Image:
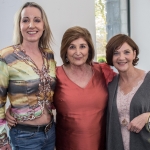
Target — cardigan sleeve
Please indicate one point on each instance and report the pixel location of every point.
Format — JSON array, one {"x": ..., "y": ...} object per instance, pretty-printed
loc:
[{"x": 4, "y": 79}]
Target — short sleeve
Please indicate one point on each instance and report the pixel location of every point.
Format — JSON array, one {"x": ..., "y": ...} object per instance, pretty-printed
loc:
[{"x": 108, "y": 73}]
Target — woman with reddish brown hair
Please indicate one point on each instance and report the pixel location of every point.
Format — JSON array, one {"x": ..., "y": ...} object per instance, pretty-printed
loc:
[
  {"x": 128, "y": 120},
  {"x": 81, "y": 94}
]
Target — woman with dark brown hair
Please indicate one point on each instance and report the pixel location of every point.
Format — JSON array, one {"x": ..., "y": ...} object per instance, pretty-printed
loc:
[{"x": 128, "y": 121}]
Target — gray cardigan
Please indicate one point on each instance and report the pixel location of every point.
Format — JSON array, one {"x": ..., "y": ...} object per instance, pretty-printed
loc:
[{"x": 140, "y": 104}]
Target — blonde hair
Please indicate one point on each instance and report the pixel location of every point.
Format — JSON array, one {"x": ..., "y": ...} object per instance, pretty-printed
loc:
[{"x": 46, "y": 38}]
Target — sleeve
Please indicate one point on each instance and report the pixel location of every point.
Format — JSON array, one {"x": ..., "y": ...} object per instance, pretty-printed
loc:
[
  {"x": 108, "y": 73},
  {"x": 4, "y": 79}
]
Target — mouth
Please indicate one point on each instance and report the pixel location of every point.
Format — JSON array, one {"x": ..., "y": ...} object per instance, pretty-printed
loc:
[
  {"x": 32, "y": 32},
  {"x": 122, "y": 63},
  {"x": 78, "y": 58}
]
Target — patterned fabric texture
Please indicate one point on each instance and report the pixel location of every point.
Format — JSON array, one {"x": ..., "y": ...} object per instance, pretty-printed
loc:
[{"x": 27, "y": 91}]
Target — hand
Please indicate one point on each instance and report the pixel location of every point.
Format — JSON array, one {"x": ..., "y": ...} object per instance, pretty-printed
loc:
[
  {"x": 5, "y": 147},
  {"x": 11, "y": 121},
  {"x": 137, "y": 124}
]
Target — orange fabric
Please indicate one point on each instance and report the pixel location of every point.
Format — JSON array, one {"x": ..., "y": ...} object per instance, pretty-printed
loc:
[
  {"x": 80, "y": 119},
  {"x": 108, "y": 72}
]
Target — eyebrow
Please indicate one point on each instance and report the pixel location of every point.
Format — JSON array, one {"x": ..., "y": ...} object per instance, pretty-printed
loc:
[
  {"x": 80, "y": 44},
  {"x": 34, "y": 17},
  {"x": 124, "y": 50}
]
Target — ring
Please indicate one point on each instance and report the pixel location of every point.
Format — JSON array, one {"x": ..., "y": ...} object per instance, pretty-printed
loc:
[{"x": 135, "y": 130}]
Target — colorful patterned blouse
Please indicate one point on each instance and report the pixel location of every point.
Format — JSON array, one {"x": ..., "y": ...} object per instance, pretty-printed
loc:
[{"x": 27, "y": 88}]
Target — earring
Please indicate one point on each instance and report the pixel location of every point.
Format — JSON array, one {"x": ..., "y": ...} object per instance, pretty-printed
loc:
[{"x": 67, "y": 59}]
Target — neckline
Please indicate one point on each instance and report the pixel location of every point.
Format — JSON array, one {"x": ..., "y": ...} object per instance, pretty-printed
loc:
[
  {"x": 26, "y": 58},
  {"x": 133, "y": 88},
  {"x": 77, "y": 84}
]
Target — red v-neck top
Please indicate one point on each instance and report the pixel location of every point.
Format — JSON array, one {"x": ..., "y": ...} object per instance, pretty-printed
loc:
[{"x": 80, "y": 119}]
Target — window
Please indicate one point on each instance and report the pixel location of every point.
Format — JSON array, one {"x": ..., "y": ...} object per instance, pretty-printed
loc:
[{"x": 111, "y": 18}]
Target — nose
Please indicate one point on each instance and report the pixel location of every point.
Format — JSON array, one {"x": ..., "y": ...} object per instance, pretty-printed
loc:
[
  {"x": 78, "y": 51},
  {"x": 31, "y": 24},
  {"x": 121, "y": 56}
]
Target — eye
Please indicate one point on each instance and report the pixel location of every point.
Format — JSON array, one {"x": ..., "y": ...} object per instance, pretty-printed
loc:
[
  {"x": 25, "y": 20},
  {"x": 82, "y": 46},
  {"x": 127, "y": 52},
  {"x": 37, "y": 20},
  {"x": 115, "y": 53},
  {"x": 71, "y": 47}
]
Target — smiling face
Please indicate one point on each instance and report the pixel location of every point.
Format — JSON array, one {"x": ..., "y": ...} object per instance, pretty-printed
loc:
[
  {"x": 123, "y": 58},
  {"x": 78, "y": 52},
  {"x": 31, "y": 24}
]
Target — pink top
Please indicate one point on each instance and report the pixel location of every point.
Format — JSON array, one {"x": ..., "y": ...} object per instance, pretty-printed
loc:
[{"x": 123, "y": 105}]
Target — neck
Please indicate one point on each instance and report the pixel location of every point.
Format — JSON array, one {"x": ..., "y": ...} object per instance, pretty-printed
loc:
[
  {"x": 130, "y": 75},
  {"x": 30, "y": 47},
  {"x": 78, "y": 69}
]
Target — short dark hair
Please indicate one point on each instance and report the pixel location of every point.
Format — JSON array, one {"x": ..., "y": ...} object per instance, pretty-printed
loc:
[
  {"x": 72, "y": 34},
  {"x": 116, "y": 42}
]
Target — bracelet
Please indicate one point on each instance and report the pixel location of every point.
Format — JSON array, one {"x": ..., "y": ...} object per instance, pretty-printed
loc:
[
  {"x": 4, "y": 141},
  {"x": 148, "y": 120},
  {"x": 148, "y": 124}
]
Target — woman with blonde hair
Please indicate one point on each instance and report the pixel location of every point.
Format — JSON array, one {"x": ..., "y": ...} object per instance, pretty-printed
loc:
[{"x": 28, "y": 80}]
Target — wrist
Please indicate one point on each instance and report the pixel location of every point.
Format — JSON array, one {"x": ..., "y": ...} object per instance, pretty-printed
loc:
[
  {"x": 4, "y": 141},
  {"x": 148, "y": 118}
]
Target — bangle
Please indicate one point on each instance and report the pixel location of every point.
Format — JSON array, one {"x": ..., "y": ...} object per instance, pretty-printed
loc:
[
  {"x": 148, "y": 120},
  {"x": 4, "y": 141},
  {"x": 148, "y": 123}
]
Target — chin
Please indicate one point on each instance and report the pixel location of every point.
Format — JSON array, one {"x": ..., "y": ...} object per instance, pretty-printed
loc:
[
  {"x": 33, "y": 40},
  {"x": 122, "y": 70},
  {"x": 79, "y": 64}
]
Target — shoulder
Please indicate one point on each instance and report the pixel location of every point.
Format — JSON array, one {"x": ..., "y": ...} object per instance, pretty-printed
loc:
[
  {"x": 60, "y": 73},
  {"x": 59, "y": 68},
  {"x": 112, "y": 86},
  {"x": 48, "y": 53},
  {"x": 148, "y": 74},
  {"x": 114, "y": 81},
  {"x": 147, "y": 79},
  {"x": 47, "y": 50},
  {"x": 6, "y": 51},
  {"x": 108, "y": 73}
]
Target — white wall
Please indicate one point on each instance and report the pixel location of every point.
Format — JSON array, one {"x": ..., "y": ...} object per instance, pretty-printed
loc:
[
  {"x": 62, "y": 14},
  {"x": 140, "y": 30}
]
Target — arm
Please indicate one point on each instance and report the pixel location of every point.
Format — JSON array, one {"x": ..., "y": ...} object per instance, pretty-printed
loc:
[
  {"x": 11, "y": 121},
  {"x": 137, "y": 124},
  {"x": 4, "y": 79}
]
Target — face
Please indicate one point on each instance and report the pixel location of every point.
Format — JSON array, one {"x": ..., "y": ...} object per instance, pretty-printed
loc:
[
  {"x": 123, "y": 58},
  {"x": 77, "y": 52},
  {"x": 31, "y": 24}
]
